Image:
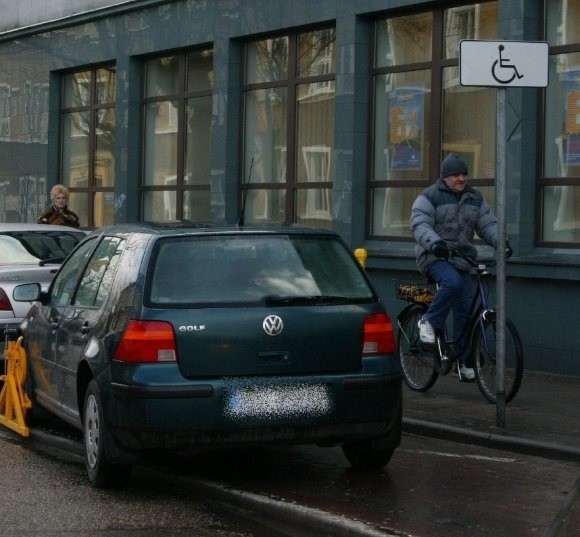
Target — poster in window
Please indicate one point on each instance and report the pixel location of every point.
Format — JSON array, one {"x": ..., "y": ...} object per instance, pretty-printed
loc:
[
  {"x": 406, "y": 128},
  {"x": 571, "y": 104}
]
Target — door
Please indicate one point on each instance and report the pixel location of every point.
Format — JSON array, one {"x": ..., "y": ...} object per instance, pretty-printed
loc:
[
  {"x": 43, "y": 332},
  {"x": 78, "y": 333}
]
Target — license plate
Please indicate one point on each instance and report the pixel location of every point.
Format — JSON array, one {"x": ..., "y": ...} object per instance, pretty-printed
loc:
[{"x": 274, "y": 402}]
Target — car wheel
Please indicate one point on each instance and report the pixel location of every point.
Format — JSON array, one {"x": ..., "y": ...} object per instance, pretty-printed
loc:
[
  {"x": 362, "y": 455},
  {"x": 102, "y": 473}
]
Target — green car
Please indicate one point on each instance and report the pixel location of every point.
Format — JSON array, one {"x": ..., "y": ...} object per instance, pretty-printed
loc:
[{"x": 171, "y": 337}]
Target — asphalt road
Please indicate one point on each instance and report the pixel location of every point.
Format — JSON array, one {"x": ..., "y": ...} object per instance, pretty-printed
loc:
[
  {"x": 431, "y": 488},
  {"x": 46, "y": 494}
]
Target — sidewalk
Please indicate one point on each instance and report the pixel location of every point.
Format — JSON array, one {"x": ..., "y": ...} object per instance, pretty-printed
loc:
[{"x": 543, "y": 419}]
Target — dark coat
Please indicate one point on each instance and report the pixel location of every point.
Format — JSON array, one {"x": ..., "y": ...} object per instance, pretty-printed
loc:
[
  {"x": 54, "y": 216},
  {"x": 439, "y": 214}
]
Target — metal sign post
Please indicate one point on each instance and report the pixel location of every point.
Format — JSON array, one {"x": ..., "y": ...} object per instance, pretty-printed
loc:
[
  {"x": 502, "y": 64},
  {"x": 500, "y": 199}
]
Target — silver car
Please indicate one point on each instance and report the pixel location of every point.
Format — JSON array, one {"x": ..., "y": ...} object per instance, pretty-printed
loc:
[{"x": 29, "y": 253}]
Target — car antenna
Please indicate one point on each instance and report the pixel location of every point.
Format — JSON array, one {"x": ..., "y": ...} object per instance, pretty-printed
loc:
[{"x": 240, "y": 222}]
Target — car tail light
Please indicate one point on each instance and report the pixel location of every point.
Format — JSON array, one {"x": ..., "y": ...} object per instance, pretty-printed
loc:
[
  {"x": 379, "y": 337},
  {"x": 4, "y": 302},
  {"x": 147, "y": 341}
]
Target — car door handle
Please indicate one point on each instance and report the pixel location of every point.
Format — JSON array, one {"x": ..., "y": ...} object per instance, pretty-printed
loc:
[
  {"x": 85, "y": 328},
  {"x": 54, "y": 324}
]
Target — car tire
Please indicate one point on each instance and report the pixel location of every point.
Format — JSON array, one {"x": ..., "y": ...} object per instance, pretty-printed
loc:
[
  {"x": 362, "y": 455},
  {"x": 101, "y": 472}
]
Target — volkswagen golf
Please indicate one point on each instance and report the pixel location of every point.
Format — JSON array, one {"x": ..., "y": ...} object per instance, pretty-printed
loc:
[{"x": 157, "y": 338}]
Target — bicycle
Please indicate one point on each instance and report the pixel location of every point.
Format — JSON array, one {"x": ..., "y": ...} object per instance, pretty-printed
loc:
[{"x": 422, "y": 363}]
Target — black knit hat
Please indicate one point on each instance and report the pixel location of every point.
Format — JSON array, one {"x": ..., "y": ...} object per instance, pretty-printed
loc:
[{"x": 453, "y": 164}]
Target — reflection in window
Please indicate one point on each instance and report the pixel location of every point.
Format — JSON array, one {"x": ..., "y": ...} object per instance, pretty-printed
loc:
[
  {"x": 97, "y": 279},
  {"x": 560, "y": 181},
  {"x": 177, "y": 137},
  {"x": 421, "y": 113},
  {"x": 288, "y": 173},
  {"x": 88, "y": 126},
  {"x": 65, "y": 281}
]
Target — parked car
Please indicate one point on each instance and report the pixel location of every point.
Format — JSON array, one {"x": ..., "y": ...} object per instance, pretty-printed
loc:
[
  {"x": 29, "y": 253},
  {"x": 172, "y": 338}
]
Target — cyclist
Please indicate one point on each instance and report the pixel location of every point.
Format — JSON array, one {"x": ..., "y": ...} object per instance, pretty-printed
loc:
[{"x": 445, "y": 217}]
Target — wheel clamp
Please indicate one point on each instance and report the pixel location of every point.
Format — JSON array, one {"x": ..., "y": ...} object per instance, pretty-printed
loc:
[{"x": 13, "y": 399}]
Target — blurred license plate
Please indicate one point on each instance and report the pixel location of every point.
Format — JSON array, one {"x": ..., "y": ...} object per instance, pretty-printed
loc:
[{"x": 278, "y": 401}]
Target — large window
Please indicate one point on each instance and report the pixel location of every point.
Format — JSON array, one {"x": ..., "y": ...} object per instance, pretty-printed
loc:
[
  {"x": 88, "y": 143},
  {"x": 421, "y": 113},
  {"x": 289, "y": 129},
  {"x": 177, "y": 137},
  {"x": 560, "y": 182}
]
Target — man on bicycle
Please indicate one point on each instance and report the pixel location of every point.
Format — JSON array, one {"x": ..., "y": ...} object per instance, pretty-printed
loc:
[{"x": 445, "y": 217}]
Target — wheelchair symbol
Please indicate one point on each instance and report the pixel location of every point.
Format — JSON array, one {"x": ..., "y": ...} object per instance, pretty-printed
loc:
[{"x": 503, "y": 71}]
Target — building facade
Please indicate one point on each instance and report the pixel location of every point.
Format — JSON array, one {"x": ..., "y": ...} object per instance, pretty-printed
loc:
[{"x": 331, "y": 114}]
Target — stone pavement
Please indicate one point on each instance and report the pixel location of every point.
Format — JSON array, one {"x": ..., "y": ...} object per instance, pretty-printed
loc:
[{"x": 543, "y": 419}]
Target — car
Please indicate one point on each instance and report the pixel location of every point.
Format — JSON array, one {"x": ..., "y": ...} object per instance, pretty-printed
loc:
[
  {"x": 170, "y": 337},
  {"x": 30, "y": 253}
]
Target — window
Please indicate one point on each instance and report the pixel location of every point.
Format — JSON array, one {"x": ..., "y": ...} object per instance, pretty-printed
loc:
[
  {"x": 289, "y": 99},
  {"x": 421, "y": 113},
  {"x": 177, "y": 137},
  {"x": 560, "y": 181},
  {"x": 95, "y": 285},
  {"x": 88, "y": 144},
  {"x": 65, "y": 281}
]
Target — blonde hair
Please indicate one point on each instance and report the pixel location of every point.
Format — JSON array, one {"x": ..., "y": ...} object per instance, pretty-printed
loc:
[{"x": 58, "y": 189}]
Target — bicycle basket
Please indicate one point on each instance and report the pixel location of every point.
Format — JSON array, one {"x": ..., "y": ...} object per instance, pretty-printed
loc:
[{"x": 415, "y": 291}]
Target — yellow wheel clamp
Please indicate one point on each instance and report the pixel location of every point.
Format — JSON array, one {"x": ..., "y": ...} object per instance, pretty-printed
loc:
[{"x": 13, "y": 399}]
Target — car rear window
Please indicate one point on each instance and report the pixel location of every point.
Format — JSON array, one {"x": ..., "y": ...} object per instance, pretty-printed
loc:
[
  {"x": 31, "y": 247},
  {"x": 234, "y": 269}
]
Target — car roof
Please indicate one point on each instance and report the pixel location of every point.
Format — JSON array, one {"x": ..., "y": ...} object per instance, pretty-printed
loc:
[
  {"x": 188, "y": 228},
  {"x": 5, "y": 227}
]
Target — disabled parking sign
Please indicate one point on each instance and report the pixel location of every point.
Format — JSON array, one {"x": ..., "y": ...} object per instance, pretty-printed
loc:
[{"x": 521, "y": 64}]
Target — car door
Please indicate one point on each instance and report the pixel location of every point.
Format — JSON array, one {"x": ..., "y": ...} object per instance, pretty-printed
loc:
[
  {"x": 78, "y": 330},
  {"x": 44, "y": 323}
]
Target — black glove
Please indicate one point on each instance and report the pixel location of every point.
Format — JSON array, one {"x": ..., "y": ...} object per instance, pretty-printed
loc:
[
  {"x": 441, "y": 250},
  {"x": 508, "y": 250}
]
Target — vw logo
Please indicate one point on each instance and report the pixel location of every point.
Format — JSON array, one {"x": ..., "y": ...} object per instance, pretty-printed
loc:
[{"x": 273, "y": 325}]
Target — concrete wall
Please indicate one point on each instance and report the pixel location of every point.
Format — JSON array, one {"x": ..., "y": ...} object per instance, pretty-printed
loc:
[{"x": 23, "y": 13}]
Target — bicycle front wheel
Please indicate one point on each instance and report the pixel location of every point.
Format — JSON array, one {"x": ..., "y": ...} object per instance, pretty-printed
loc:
[
  {"x": 416, "y": 359},
  {"x": 484, "y": 359}
]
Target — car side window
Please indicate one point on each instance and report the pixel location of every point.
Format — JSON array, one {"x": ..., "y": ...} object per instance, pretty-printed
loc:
[
  {"x": 98, "y": 276},
  {"x": 64, "y": 282}
]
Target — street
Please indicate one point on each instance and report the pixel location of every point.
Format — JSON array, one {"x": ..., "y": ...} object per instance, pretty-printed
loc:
[
  {"x": 431, "y": 488},
  {"x": 47, "y": 494}
]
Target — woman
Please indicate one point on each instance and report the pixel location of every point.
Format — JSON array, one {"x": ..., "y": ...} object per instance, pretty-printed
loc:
[{"x": 58, "y": 213}]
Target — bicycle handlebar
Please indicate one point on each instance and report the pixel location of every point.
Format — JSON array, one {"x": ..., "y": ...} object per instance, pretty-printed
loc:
[{"x": 488, "y": 262}]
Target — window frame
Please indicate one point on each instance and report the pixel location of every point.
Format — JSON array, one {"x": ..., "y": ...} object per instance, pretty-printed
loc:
[
  {"x": 181, "y": 189},
  {"x": 545, "y": 180},
  {"x": 92, "y": 109},
  {"x": 290, "y": 186},
  {"x": 437, "y": 65}
]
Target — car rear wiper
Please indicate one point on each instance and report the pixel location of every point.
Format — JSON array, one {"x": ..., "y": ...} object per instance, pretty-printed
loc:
[{"x": 278, "y": 300}]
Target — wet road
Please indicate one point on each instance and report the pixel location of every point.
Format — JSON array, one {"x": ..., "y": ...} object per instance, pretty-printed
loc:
[
  {"x": 43, "y": 495},
  {"x": 431, "y": 488}
]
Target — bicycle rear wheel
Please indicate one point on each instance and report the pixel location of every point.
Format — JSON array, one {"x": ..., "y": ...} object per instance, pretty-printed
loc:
[
  {"x": 484, "y": 359},
  {"x": 416, "y": 358}
]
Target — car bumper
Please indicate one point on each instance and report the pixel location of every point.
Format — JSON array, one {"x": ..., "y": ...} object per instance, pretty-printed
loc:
[{"x": 324, "y": 410}]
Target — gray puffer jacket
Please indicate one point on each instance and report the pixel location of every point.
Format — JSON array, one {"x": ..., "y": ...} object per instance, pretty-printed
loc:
[{"x": 439, "y": 214}]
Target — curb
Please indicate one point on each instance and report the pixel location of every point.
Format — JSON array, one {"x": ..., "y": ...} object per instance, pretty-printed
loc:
[
  {"x": 289, "y": 518},
  {"x": 515, "y": 444}
]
